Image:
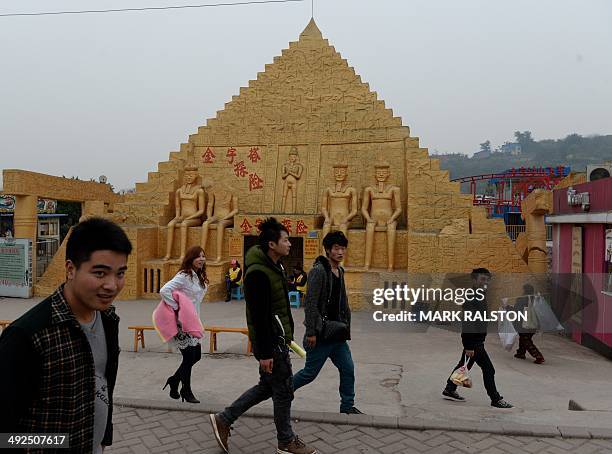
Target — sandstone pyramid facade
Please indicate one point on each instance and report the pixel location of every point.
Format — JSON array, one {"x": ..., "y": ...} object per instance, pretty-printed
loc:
[{"x": 310, "y": 98}]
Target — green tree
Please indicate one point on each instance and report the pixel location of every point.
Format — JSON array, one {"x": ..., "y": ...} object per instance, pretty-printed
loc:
[{"x": 486, "y": 146}]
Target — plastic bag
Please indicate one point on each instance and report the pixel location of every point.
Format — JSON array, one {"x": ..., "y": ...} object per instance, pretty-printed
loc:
[
  {"x": 532, "y": 317},
  {"x": 461, "y": 377},
  {"x": 507, "y": 333},
  {"x": 547, "y": 320}
]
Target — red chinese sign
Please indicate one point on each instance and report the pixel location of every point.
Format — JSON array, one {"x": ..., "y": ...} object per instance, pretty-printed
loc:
[
  {"x": 287, "y": 224},
  {"x": 208, "y": 156},
  {"x": 246, "y": 226},
  {"x": 254, "y": 154},
  {"x": 301, "y": 228},
  {"x": 295, "y": 225},
  {"x": 255, "y": 182},
  {"x": 240, "y": 169},
  {"x": 230, "y": 155}
]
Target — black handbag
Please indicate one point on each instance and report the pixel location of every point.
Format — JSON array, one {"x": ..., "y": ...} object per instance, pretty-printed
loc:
[{"x": 333, "y": 330}]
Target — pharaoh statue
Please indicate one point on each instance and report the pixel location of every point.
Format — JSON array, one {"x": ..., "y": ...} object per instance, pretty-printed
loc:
[
  {"x": 381, "y": 207},
  {"x": 339, "y": 204},
  {"x": 220, "y": 212},
  {"x": 292, "y": 172},
  {"x": 189, "y": 209},
  {"x": 533, "y": 209}
]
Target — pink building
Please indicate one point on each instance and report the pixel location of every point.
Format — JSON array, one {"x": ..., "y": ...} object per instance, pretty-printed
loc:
[{"x": 582, "y": 244}]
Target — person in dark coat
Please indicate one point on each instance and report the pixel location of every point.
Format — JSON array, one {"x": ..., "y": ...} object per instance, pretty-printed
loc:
[{"x": 59, "y": 360}]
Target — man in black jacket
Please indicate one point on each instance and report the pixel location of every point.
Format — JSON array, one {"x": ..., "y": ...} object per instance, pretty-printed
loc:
[
  {"x": 271, "y": 331},
  {"x": 59, "y": 360},
  {"x": 326, "y": 301},
  {"x": 473, "y": 335}
]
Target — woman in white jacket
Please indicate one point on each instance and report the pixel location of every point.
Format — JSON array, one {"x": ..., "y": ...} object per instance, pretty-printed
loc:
[{"x": 191, "y": 280}]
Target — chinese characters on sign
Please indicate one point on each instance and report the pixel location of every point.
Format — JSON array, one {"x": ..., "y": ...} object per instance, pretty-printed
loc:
[
  {"x": 246, "y": 226},
  {"x": 287, "y": 224},
  {"x": 254, "y": 154},
  {"x": 230, "y": 155},
  {"x": 235, "y": 246},
  {"x": 208, "y": 157},
  {"x": 16, "y": 267},
  {"x": 311, "y": 248},
  {"x": 255, "y": 182},
  {"x": 239, "y": 168},
  {"x": 301, "y": 228},
  {"x": 296, "y": 225}
]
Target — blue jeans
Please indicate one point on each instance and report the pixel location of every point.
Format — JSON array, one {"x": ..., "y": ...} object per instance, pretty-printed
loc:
[{"x": 340, "y": 355}]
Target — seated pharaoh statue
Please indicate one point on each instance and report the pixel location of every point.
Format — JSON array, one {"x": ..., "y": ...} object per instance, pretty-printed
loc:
[
  {"x": 339, "y": 204},
  {"x": 189, "y": 209},
  {"x": 220, "y": 212},
  {"x": 381, "y": 208}
]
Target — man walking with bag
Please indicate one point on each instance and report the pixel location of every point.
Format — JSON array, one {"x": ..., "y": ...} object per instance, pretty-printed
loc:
[
  {"x": 328, "y": 322},
  {"x": 526, "y": 334},
  {"x": 473, "y": 335},
  {"x": 270, "y": 326}
]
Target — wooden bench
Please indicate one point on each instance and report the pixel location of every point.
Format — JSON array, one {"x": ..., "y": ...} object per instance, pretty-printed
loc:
[
  {"x": 4, "y": 324},
  {"x": 139, "y": 334},
  {"x": 214, "y": 330}
]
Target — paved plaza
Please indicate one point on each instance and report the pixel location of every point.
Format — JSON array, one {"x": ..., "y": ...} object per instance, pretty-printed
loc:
[
  {"x": 160, "y": 431},
  {"x": 400, "y": 373}
]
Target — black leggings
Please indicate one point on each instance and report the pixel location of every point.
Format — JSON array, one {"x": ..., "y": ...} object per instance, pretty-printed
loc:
[{"x": 191, "y": 355}]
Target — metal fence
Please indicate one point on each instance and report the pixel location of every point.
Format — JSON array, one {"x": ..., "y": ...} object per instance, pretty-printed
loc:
[
  {"x": 514, "y": 230},
  {"x": 45, "y": 250}
]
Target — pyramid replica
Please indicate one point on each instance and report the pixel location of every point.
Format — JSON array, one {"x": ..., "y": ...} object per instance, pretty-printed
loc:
[{"x": 309, "y": 111}]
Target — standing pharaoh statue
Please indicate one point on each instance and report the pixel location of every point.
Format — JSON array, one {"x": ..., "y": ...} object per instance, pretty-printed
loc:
[
  {"x": 222, "y": 207},
  {"x": 189, "y": 209},
  {"x": 292, "y": 172},
  {"x": 381, "y": 207},
  {"x": 339, "y": 204}
]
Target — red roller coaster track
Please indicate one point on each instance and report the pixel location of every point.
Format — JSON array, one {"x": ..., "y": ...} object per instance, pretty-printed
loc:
[{"x": 513, "y": 185}]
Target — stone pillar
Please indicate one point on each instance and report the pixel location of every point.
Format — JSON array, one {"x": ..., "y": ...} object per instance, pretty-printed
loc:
[
  {"x": 25, "y": 223},
  {"x": 533, "y": 208},
  {"x": 91, "y": 208}
]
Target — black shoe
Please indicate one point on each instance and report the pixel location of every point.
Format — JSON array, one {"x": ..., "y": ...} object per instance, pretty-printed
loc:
[
  {"x": 221, "y": 431},
  {"x": 519, "y": 356},
  {"x": 173, "y": 382},
  {"x": 187, "y": 395},
  {"x": 352, "y": 411},
  {"x": 501, "y": 403},
  {"x": 452, "y": 395},
  {"x": 228, "y": 299}
]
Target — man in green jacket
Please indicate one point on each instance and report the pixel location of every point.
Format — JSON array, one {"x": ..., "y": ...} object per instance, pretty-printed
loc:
[{"x": 270, "y": 326}]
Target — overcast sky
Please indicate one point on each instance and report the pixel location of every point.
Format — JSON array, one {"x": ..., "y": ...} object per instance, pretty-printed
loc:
[{"x": 114, "y": 93}]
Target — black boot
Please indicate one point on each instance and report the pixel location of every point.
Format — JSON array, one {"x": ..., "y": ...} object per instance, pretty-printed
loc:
[
  {"x": 187, "y": 394},
  {"x": 173, "y": 382}
]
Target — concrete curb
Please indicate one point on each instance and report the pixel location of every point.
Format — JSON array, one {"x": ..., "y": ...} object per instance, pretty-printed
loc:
[{"x": 389, "y": 422}]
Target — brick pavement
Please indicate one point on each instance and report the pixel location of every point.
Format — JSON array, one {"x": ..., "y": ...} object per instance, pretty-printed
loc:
[{"x": 143, "y": 431}]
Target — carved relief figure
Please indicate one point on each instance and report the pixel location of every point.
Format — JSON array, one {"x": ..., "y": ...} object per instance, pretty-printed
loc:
[
  {"x": 292, "y": 172},
  {"x": 339, "y": 204},
  {"x": 189, "y": 208},
  {"x": 222, "y": 207},
  {"x": 381, "y": 207}
]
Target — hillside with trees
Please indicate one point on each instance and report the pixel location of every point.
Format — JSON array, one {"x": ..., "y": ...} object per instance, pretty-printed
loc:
[{"x": 575, "y": 151}]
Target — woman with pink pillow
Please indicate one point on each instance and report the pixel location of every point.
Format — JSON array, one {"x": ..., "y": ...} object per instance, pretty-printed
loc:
[{"x": 187, "y": 287}]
